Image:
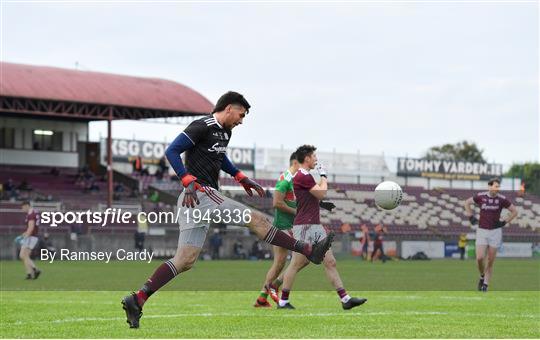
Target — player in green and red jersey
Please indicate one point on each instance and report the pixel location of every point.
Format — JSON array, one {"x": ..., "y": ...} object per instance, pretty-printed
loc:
[{"x": 285, "y": 204}]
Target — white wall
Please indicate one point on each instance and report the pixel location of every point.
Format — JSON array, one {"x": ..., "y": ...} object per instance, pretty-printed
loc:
[
  {"x": 72, "y": 131},
  {"x": 41, "y": 158}
]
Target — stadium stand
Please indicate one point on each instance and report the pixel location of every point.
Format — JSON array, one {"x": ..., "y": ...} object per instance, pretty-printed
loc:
[{"x": 427, "y": 213}]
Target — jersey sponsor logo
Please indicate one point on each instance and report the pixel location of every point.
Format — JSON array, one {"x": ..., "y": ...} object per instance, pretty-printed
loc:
[
  {"x": 221, "y": 135},
  {"x": 489, "y": 207},
  {"x": 217, "y": 148},
  {"x": 289, "y": 196}
]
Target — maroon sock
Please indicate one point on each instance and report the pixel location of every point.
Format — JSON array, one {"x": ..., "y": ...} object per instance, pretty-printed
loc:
[
  {"x": 277, "y": 237},
  {"x": 163, "y": 274},
  {"x": 285, "y": 294},
  {"x": 142, "y": 296},
  {"x": 341, "y": 292}
]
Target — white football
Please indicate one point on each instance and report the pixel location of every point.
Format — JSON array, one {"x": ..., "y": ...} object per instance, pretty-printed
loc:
[{"x": 388, "y": 195}]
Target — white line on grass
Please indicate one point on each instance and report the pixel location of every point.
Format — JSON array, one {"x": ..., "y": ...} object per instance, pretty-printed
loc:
[{"x": 293, "y": 314}]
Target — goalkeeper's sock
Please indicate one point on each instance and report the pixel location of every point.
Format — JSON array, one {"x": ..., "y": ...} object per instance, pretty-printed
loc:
[
  {"x": 343, "y": 296},
  {"x": 163, "y": 274},
  {"x": 277, "y": 237}
]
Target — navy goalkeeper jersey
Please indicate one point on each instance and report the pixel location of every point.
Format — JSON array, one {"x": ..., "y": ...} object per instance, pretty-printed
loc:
[{"x": 210, "y": 141}]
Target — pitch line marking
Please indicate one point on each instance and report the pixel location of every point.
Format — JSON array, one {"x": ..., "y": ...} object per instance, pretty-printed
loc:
[{"x": 292, "y": 315}]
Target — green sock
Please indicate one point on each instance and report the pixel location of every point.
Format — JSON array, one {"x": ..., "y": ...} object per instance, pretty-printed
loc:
[{"x": 263, "y": 294}]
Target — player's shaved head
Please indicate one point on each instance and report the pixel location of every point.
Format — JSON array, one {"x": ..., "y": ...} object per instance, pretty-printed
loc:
[
  {"x": 292, "y": 158},
  {"x": 231, "y": 98}
]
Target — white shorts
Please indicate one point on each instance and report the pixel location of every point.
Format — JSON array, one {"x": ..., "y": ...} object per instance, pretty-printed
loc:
[
  {"x": 29, "y": 242},
  {"x": 309, "y": 232},
  {"x": 214, "y": 208},
  {"x": 487, "y": 237}
]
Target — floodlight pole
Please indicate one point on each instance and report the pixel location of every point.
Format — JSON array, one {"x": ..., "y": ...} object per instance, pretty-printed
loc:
[{"x": 109, "y": 159}]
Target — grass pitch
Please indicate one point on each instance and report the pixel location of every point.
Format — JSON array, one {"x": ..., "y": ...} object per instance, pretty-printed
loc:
[{"x": 41, "y": 309}]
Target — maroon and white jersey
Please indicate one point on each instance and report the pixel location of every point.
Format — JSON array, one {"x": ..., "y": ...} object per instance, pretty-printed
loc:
[
  {"x": 32, "y": 216},
  {"x": 378, "y": 240},
  {"x": 307, "y": 205},
  {"x": 490, "y": 208}
]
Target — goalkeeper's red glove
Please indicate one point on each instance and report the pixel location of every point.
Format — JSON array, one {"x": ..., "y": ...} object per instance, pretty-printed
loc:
[
  {"x": 190, "y": 191},
  {"x": 248, "y": 184}
]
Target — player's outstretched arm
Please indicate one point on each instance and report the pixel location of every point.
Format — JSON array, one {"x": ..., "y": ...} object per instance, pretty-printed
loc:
[
  {"x": 249, "y": 184},
  {"x": 240, "y": 177},
  {"x": 468, "y": 210}
]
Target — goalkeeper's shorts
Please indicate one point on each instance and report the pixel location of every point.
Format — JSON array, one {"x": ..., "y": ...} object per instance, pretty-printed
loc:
[{"x": 214, "y": 208}]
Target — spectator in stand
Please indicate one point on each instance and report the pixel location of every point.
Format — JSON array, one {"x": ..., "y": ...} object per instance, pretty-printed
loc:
[
  {"x": 154, "y": 197},
  {"x": 163, "y": 167},
  {"x": 91, "y": 185},
  {"x": 9, "y": 186},
  {"x": 87, "y": 174},
  {"x": 55, "y": 172},
  {"x": 461, "y": 245},
  {"x": 140, "y": 234},
  {"x": 521, "y": 192},
  {"x": 238, "y": 249},
  {"x": 216, "y": 241},
  {"x": 11, "y": 192},
  {"x": 137, "y": 165},
  {"x": 25, "y": 186},
  {"x": 257, "y": 251},
  {"x": 117, "y": 191}
]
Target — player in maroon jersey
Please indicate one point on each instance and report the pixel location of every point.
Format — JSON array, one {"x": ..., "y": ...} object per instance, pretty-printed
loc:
[
  {"x": 307, "y": 227},
  {"x": 489, "y": 231},
  {"x": 30, "y": 240}
]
